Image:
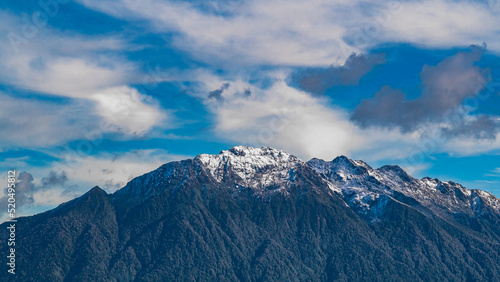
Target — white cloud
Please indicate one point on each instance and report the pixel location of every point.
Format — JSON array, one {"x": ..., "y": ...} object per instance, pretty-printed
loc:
[
  {"x": 69, "y": 77},
  {"x": 75, "y": 66},
  {"x": 64, "y": 64},
  {"x": 126, "y": 108},
  {"x": 317, "y": 32},
  {"x": 444, "y": 24},
  {"x": 32, "y": 123},
  {"x": 469, "y": 146},
  {"x": 283, "y": 117},
  {"x": 262, "y": 32}
]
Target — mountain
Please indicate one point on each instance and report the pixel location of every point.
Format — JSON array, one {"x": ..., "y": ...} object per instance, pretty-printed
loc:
[
  {"x": 250, "y": 214},
  {"x": 360, "y": 185}
]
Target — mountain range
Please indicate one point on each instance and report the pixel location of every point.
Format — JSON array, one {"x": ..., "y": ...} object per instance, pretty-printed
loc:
[{"x": 261, "y": 214}]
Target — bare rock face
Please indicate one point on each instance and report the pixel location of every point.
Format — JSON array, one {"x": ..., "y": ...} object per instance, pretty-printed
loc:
[{"x": 262, "y": 214}]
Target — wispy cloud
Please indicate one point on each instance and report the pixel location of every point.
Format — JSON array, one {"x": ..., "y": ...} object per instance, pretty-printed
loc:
[
  {"x": 312, "y": 33},
  {"x": 445, "y": 24},
  {"x": 35, "y": 123},
  {"x": 494, "y": 173},
  {"x": 111, "y": 170},
  {"x": 90, "y": 68},
  {"x": 65, "y": 64},
  {"x": 299, "y": 34}
]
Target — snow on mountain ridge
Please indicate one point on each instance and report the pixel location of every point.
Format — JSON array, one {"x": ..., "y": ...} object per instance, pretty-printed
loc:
[
  {"x": 362, "y": 185},
  {"x": 267, "y": 171},
  {"x": 255, "y": 167},
  {"x": 353, "y": 181}
]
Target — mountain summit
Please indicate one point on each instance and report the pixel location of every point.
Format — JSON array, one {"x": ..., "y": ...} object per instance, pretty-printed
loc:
[
  {"x": 257, "y": 168},
  {"x": 249, "y": 214}
]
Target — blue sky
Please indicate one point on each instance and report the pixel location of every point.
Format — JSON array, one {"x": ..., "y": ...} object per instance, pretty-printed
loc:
[{"x": 98, "y": 92}]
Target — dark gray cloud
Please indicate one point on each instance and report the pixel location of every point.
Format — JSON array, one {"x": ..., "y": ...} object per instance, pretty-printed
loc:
[
  {"x": 54, "y": 179},
  {"x": 217, "y": 93},
  {"x": 445, "y": 87},
  {"x": 247, "y": 92},
  {"x": 480, "y": 127},
  {"x": 317, "y": 81},
  {"x": 26, "y": 189},
  {"x": 24, "y": 193},
  {"x": 387, "y": 108}
]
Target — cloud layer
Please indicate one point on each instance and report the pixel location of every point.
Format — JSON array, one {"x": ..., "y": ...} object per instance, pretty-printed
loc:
[{"x": 312, "y": 33}]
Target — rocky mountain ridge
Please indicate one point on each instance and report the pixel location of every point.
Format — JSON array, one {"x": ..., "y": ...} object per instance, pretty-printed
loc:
[{"x": 361, "y": 185}]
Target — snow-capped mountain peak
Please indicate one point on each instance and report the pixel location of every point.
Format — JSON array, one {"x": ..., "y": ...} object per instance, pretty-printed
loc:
[{"x": 253, "y": 167}]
